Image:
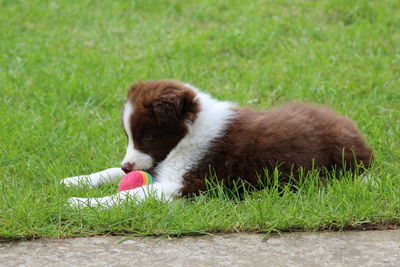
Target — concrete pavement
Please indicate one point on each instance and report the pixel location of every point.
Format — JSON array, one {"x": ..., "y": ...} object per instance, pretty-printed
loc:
[{"x": 353, "y": 248}]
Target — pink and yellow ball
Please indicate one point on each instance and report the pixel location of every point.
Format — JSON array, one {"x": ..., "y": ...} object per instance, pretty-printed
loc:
[{"x": 135, "y": 179}]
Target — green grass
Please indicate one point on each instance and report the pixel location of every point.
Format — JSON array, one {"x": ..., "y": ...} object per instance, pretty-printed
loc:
[{"x": 65, "y": 67}]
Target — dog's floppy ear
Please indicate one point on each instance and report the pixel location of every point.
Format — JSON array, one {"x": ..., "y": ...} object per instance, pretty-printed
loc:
[{"x": 173, "y": 105}]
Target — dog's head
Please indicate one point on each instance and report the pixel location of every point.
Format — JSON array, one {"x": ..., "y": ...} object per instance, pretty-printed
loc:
[{"x": 155, "y": 117}]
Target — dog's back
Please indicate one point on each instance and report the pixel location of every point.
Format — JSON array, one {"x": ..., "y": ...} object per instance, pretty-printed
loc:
[{"x": 287, "y": 138}]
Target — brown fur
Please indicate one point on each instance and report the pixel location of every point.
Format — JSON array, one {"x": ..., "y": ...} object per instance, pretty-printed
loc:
[{"x": 289, "y": 137}]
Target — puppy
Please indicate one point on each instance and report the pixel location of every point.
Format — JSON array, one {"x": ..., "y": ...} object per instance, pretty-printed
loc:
[{"x": 178, "y": 133}]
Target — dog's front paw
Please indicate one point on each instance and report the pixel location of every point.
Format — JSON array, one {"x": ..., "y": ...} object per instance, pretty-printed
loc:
[
  {"x": 103, "y": 202},
  {"x": 70, "y": 181},
  {"x": 77, "y": 181},
  {"x": 78, "y": 202}
]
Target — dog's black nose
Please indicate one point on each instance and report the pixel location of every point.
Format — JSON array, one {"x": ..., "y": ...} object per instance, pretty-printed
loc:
[{"x": 127, "y": 167}]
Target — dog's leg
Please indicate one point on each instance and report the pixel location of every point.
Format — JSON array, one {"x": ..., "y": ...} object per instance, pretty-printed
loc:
[
  {"x": 161, "y": 191},
  {"x": 94, "y": 179}
]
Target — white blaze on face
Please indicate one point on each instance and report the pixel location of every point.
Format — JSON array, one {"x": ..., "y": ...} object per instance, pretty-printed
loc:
[{"x": 141, "y": 160}]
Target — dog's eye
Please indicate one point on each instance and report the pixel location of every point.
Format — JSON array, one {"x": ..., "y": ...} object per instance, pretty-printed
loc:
[{"x": 148, "y": 138}]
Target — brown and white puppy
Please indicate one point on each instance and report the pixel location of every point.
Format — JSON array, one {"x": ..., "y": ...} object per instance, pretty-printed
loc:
[{"x": 177, "y": 132}]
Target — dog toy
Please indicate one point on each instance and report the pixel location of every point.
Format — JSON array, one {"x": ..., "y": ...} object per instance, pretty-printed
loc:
[{"x": 135, "y": 179}]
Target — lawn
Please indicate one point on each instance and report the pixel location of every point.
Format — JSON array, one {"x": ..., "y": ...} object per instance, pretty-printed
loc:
[{"x": 65, "y": 67}]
